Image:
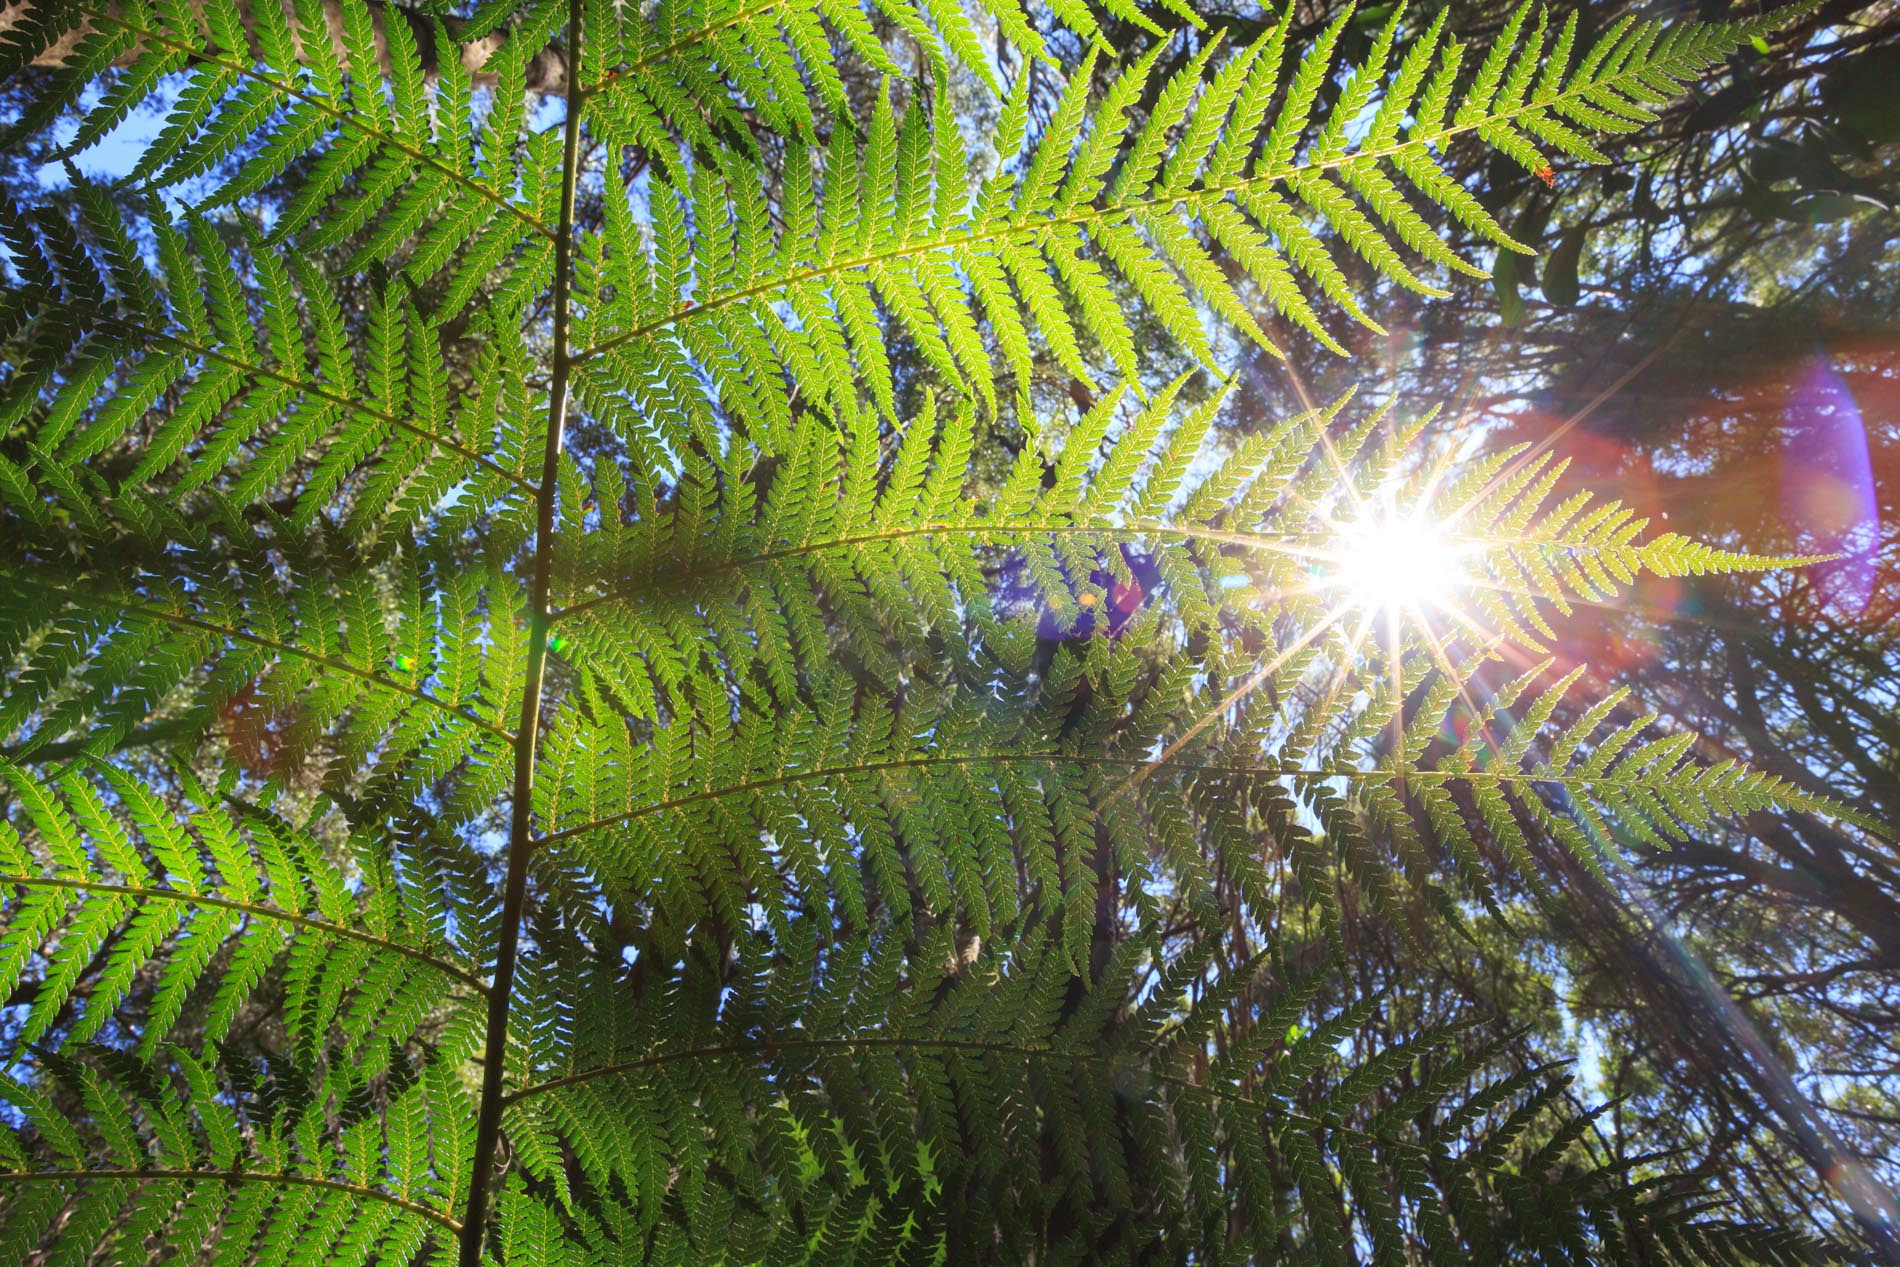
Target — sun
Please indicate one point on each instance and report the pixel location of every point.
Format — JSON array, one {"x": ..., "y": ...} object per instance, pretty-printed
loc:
[{"x": 1388, "y": 561}]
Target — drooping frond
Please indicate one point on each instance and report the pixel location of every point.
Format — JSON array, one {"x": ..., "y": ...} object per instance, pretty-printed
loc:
[
  {"x": 211, "y": 902},
  {"x": 342, "y": 665},
  {"x": 193, "y": 1151},
  {"x": 259, "y": 384},
  {"x": 1593, "y": 790}
]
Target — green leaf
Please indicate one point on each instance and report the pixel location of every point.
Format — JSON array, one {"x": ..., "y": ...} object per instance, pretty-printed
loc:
[
  {"x": 1560, "y": 266},
  {"x": 1504, "y": 282}
]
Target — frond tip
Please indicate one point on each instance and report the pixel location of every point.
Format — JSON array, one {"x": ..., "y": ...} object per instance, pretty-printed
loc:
[{"x": 1672, "y": 554}]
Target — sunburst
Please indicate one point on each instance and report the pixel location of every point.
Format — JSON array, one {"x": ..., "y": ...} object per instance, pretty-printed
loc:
[{"x": 1393, "y": 561}]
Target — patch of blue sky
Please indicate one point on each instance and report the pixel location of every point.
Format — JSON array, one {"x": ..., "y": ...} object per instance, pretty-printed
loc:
[
  {"x": 113, "y": 156},
  {"x": 1583, "y": 1037}
]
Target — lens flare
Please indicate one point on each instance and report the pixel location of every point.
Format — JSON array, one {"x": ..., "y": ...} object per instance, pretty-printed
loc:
[{"x": 1827, "y": 492}]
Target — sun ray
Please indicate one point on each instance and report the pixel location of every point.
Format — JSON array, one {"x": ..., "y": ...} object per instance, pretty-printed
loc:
[{"x": 1346, "y": 662}]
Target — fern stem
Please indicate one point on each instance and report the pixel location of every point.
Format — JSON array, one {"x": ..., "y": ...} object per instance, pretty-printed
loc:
[
  {"x": 144, "y": 893},
  {"x": 862, "y": 768},
  {"x": 235, "y": 1177},
  {"x": 767, "y": 1047},
  {"x": 520, "y": 828}
]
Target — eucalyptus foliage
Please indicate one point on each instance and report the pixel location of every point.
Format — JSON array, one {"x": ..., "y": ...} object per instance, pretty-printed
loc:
[{"x": 843, "y": 808}]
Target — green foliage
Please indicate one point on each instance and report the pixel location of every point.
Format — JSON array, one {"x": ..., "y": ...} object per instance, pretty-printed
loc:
[
  {"x": 562, "y": 696},
  {"x": 209, "y": 899}
]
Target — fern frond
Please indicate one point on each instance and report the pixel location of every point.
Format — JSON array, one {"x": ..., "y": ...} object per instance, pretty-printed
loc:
[
  {"x": 588, "y": 618},
  {"x": 163, "y": 1151},
  {"x": 305, "y": 91},
  {"x": 326, "y": 667},
  {"x": 779, "y": 57},
  {"x": 1017, "y": 257},
  {"x": 174, "y": 897},
  {"x": 1526, "y": 551},
  {"x": 299, "y": 411}
]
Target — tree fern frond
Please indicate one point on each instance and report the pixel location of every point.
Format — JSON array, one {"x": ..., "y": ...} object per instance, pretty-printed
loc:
[
  {"x": 843, "y": 1096},
  {"x": 1131, "y": 232},
  {"x": 314, "y": 84},
  {"x": 80, "y": 877},
  {"x": 775, "y": 56},
  {"x": 255, "y": 414},
  {"x": 158, "y": 1152},
  {"x": 569, "y": 691},
  {"x": 282, "y": 671},
  {"x": 1529, "y": 552}
]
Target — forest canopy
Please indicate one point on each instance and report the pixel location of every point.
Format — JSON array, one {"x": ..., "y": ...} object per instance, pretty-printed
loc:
[{"x": 780, "y": 631}]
